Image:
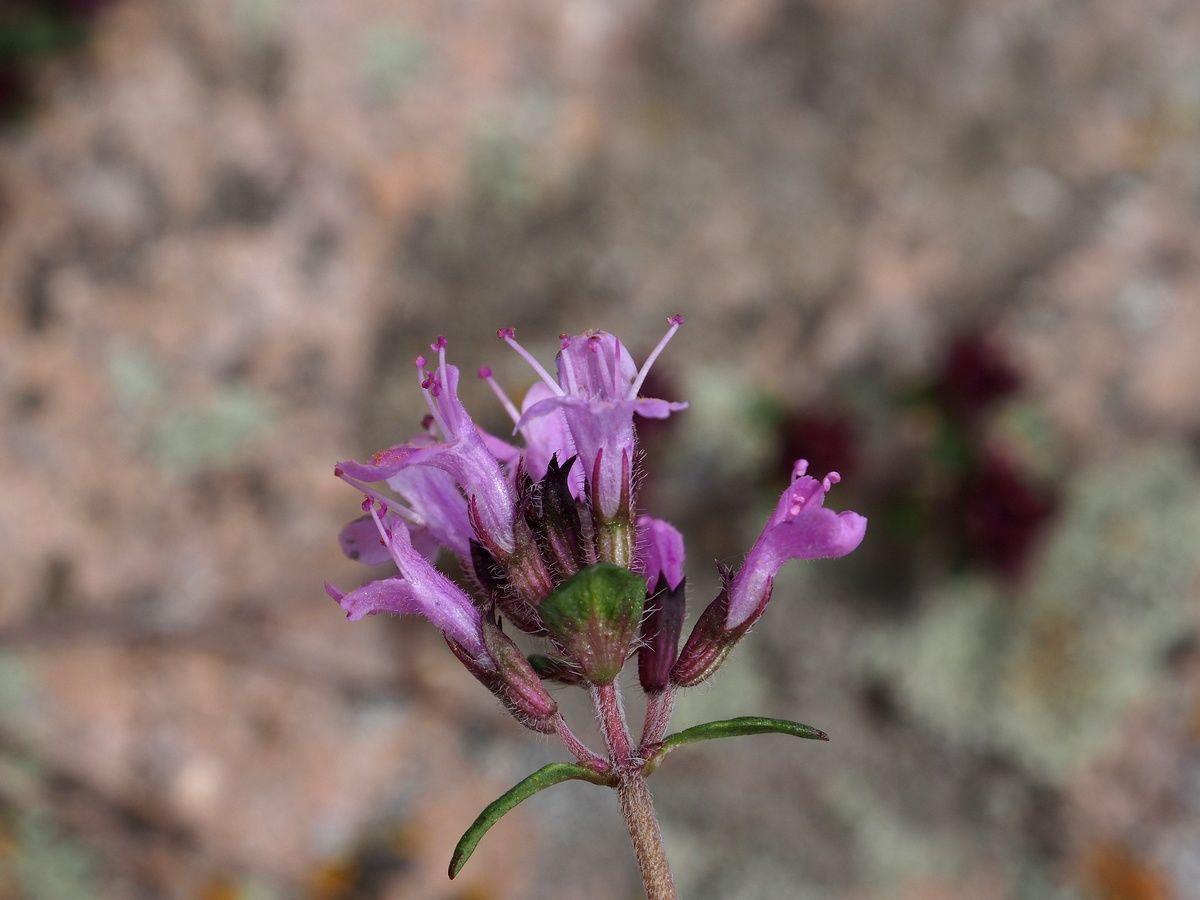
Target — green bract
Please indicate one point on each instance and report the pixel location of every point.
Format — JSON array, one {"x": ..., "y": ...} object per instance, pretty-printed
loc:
[{"x": 594, "y": 615}]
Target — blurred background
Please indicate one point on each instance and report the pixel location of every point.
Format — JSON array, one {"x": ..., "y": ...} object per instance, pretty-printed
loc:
[{"x": 951, "y": 249}]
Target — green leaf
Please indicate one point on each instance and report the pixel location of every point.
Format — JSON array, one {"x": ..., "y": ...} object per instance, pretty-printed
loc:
[
  {"x": 546, "y": 776},
  {"x": 732, "y": 728}
]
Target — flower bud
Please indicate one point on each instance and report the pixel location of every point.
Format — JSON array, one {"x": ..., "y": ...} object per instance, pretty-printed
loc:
[
  {"x": 556, "y": 522},
  {"x": 593, "y": 616},
  {"x": 710, "y": 641},
  {"x": 513, "y": 680},
  {"x": 492, "y": 580},
  {"x": 550, "y": 668},
  {"x": 614, "y": 533},
  {"x": 661, "y": 627}
]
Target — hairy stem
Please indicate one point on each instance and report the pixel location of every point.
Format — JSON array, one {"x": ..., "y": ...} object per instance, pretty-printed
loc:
[
  {"x": 581, "y": 751},
  {"x": 659, "y": 706},
  {"x": 637, "y": 807}
]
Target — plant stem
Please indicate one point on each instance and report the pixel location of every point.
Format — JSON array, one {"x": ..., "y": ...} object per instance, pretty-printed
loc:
[
  {"x": 581, "y": 751},
  {"x": 659, "y": 706},
  {"x": 637, "y": 806}
]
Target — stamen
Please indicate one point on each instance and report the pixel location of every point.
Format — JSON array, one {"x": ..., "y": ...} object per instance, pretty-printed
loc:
[
  {"x": 595, "y": 366},
  {"x": 440, "y": 346},
  {"x": 428, "y": 386},
  {"x": 486, "y": 374},
  {"x": 615, "y": 366},
  {"x": 568, "y": 368},
  {"x": 800, "y": 469},
  {"x": 508, "y": 335},
  {"x": 830, "y": 480},
  {"x": 398, "y": 509},
  {"x": 674, "y": 322},
  {"x": 385, "y": 536}
]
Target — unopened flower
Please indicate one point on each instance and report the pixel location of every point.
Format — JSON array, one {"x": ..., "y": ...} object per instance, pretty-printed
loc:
[{"x": 660, "y": 559}]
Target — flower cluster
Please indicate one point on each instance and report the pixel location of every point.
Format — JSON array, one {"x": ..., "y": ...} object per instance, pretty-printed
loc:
[{"x": 551, "y": 542}]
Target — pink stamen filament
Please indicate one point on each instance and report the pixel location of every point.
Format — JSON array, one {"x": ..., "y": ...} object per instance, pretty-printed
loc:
[
  {"x": 442, "y": 376},
  {"x": 388, "y": 503},
  {"x": 386, "y": 536},
  {"x": 568, "y": 368},
  {"x": 506, "y": 336},
  {"x": 595, "y": 364},
  {"x": 830, "y": 480},
  {"x": 615, "y": 364},
  {"x": 675, "y": 321},
  {"x": 509, "y": 406}
]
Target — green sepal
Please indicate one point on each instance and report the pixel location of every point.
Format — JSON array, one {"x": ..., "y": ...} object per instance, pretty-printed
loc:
[
  {"x": 731, "y": 728},
  {"x": 594, "y": 616},
  {"x": 546, "y": 776}
]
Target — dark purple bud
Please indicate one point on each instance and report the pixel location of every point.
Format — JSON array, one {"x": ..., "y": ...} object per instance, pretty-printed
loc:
[
  {"x": 525, "y": 568},
  {"x": 710, "y": 641},
  {"x": 513, "y": 680},
  {"x": 556, "y": 522},
  {"x": 661, "y": 627},
  {"x": 487, "y": 571}
]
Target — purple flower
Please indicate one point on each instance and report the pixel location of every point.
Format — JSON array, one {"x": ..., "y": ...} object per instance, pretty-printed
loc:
[
  {"x": 660, "y": 552},
  {"x": 465, "y": 454},
  {"x": 800, "y": 528},
  {"x": 596, "y": 393},
  {"x": 660, "y": 559},
  {"x": 419, "y": 589}
]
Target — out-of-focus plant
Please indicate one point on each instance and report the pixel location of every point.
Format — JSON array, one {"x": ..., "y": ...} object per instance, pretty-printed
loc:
[
  {"x": 965, "y": 496},
  {"x": 552, "y": 543},
  {"x": 32, "y": 30}
]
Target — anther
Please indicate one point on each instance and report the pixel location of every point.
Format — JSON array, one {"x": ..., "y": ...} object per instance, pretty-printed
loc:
[
  {"x": 830, "y": 480},
  {"x": 485, "y": 373},
  {"x": 800, "y": 469},
  {"x": 439, "y": 343}
]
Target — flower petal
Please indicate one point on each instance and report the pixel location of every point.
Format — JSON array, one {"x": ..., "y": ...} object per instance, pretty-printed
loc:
[
  {"x": 388, "y": 595},
  {"x": 800, "y": 528},
  {"x": 437, "y": 501},
  {"x": 360, "y": 541},
  {"x": 660, "y": 552},
  {"x": 650, "y": 408}
]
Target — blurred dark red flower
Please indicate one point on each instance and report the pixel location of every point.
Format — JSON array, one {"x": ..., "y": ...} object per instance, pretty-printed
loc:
[
  {"x": 1000, "y": 514},
  {"x": 827, "y": 439},
  {"x": 976, "y": 374}
]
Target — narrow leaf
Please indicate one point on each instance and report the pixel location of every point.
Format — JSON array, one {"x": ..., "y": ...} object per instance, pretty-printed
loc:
[
  {"x": 733, "y": 728},
  {"x": 545, "y": 777}
]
